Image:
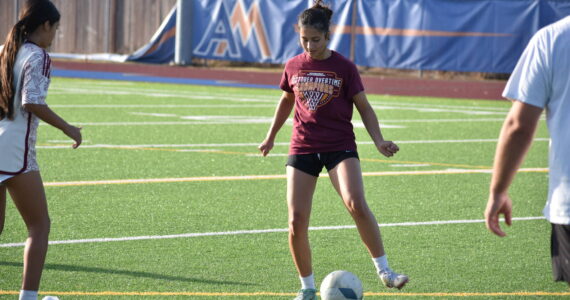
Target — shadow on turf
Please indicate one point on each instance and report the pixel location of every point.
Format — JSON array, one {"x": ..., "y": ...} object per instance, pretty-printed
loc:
[{"x": 71, "y": 268}]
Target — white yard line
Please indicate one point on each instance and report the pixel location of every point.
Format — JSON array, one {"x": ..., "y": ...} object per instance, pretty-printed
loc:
[
  {"x": 78, "y": 90},
  {"x": 221, "y": 105},
  {"x": 218, "y": 145},
  {"x": 409, "y": 104},
  {"x": 165, "y": 94},
  {"x": 278, "y": 176},
  {"x": 257, "y": 231},
  {"x": 267, "y": 120}
]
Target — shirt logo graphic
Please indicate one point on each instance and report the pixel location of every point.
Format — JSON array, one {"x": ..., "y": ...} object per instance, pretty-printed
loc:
[{"x": 316, "y": 89}]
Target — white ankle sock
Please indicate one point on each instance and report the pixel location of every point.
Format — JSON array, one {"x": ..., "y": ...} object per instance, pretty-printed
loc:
[
  {"x": 28, "y": 295},
  {"x": 307, "y": 282},
  {"x": 381, "y": 263}
]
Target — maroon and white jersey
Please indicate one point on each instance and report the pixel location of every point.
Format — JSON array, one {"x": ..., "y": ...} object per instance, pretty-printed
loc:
[
  {"x": 32, "y": 71},
  {"x": 323, "y": 102}
]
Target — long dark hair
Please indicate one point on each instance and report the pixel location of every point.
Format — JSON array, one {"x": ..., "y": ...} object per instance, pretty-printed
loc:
[
  {"x": 34, "y": 14},
  {"x": 318, "y": 17}
]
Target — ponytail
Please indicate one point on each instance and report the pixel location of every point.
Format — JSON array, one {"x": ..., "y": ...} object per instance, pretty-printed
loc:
[
  {"x": 13, "y": 43},
  {"x": 35, "y": 13},
  {"x": 318, "y": 16}
]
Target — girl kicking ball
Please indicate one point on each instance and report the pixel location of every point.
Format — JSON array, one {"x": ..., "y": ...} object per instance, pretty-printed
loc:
[
  {"x": 323, "y": 86},
  {"x": 24, "y": 81}
]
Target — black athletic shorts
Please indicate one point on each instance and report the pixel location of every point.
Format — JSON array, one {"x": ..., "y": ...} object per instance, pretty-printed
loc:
[
  {"x": 313, "y": 163},
  {"x": 560, "y": 250}
]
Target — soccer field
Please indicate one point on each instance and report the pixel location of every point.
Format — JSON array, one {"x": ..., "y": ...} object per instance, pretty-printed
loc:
[{"x": 169, "y": 198}]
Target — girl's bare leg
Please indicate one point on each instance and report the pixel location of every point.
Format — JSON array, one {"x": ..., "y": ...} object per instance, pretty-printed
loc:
[
  {"x": 27, "y": 192},
  {"x": 346, "y": 177},
  {"x": 300, "y": 189}
]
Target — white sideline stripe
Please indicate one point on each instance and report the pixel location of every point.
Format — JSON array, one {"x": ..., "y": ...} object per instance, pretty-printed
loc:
[
  {"x": 142, "y": 91},
  {"x": 280, "y": 176},
  {"x": 259, "y": 120},
  {"x": 163, "y": 106},
  {"x": 162, "y": 94},
  {"x": 259, "y": 231},
  {"x": 163, "y": 180},
  {"x": 438, "y": 110},
  {"x": 257, "y": 144},
  {"x": 409, "y": 104},
  {"x": 409, "y": 165}
]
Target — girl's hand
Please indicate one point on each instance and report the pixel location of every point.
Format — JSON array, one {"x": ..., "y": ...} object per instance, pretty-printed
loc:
[
  {"x": 75, "y": 134},
  {"x": 388, "y": 148},
  {"x": 265, "y": 146}
]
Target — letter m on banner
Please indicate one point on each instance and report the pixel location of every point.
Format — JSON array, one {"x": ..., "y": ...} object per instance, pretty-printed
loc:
[{"x": 231, "y": 31}]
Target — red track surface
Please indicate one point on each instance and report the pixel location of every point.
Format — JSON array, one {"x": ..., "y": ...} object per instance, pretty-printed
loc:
[{"x": 490, "y": 90}]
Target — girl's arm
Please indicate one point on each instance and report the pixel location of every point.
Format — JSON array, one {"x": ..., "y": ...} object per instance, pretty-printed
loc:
[
  {"x": 387, "y": 148},
  {"x": 47, "y": 115},
  {"x": 282, "y": 112}
]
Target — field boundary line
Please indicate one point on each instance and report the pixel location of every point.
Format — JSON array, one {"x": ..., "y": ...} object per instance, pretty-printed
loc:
[
  {"x": 230, "y": 121},
  {"x": 43, "y": 146},
  {"x": 257, "y": 231},
  {"x": 423, "y": 162},
  {"x": 266, "y": 177},
  {"x": 254, "y": 294}
]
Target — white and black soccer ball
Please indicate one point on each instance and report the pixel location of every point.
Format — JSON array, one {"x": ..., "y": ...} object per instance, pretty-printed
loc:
[{"x": 341, "y": 285}]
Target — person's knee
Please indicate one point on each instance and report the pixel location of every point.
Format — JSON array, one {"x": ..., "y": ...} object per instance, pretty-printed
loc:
[
  {"x": 357, "y": 207},
  {"x": 40, "y": 228},
  {"x": 298, "y": 224}
]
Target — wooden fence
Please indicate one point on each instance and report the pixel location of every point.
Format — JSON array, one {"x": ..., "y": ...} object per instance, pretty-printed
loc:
[{"x": 97, "y": 26}]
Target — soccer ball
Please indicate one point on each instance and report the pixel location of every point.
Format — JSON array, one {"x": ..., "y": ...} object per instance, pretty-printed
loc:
[{"x": 341, "y": 285}]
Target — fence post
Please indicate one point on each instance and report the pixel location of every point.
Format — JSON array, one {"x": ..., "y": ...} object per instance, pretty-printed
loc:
[
  {"x": 16, "y": 11},
  {"x": 183, "y": 45}
]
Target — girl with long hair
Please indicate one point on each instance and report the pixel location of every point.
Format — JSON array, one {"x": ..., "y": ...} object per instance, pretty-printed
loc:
[
  {"x": 25, "y": 69},
  {"x": 323, "y": 86}
]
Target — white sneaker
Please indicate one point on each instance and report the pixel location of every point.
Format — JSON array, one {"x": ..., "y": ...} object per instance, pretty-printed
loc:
[
  {"x": 306, "y": 294},
  {"x": 50, "y": 298},
  {"x": 392, "y": 279}
]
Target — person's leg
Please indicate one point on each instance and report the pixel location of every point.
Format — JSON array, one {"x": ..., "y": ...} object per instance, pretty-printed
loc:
[
  {"x": 300, "y": 189},
  {"x": 346, "y": 178},
  {"x": 27, "y": 192},
  {"x": 2, "y": 206}
]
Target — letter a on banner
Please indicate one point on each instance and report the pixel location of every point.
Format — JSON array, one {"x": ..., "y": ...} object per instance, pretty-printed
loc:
[
  {"x": 218, "y": 39},
  {"x": 231, "y": 29}
]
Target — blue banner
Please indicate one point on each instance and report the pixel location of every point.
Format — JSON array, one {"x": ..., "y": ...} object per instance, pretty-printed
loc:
[
  {"x": 253, "y": 30},
  {"x": 160, "y": 49},
  {"x": 467, "y": 35},
  {"x": 450, "y": 35}
]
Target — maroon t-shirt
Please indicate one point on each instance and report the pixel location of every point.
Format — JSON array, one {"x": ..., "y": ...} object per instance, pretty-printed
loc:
[{"x": 323, "y": 102}]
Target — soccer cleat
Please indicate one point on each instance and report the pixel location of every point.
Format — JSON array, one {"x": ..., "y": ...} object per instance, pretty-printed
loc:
[
  {"x": 392, "y": 279},
  {"x": 306, "y": 294}
]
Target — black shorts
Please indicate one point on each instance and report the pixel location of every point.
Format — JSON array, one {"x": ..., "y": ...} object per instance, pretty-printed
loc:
[
  {"x": 313, "y": 163},
  {"x": 560, "y": 250}
]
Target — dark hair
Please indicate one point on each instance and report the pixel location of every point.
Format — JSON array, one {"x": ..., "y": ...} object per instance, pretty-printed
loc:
[
  {"x": 34, "y": 14},
  {"x": 318, "y": 17}
]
